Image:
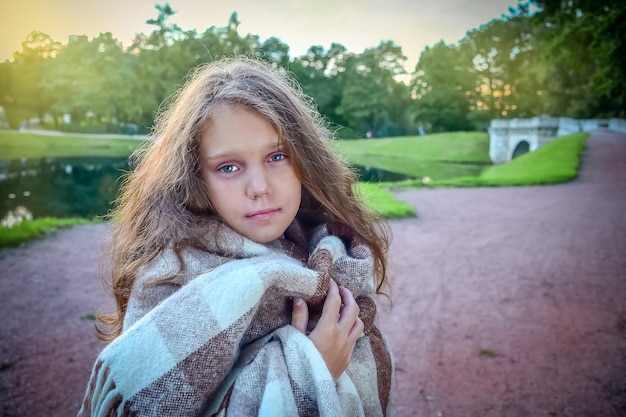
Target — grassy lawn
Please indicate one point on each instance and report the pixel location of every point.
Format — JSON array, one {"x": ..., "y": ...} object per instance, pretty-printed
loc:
[
  {"x": 440, "y": 156},
  {"x": 454, "y": 146},
  {"x": 33, "y": 229},
  {"x": 555, "y": 162},
  {"x": 380, "y": 198},
  {"x": 15, "y": 145}
]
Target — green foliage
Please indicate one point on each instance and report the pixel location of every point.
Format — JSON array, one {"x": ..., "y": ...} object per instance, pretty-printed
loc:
[
  {"x": 440, "y": 85},
  {"x": 319, "y": 72},
  {"x": 97, "y": 82},
  {"x": 500, "y": 59},
  {"x": 24, "y": 90},
  {"x": 343, "y": 132},
  {"x": 16, "y": 145},
  {"x": 377, "y": 196},
  {"x": 583, "y": 43},
  {"x": 34, "y": 229},
  {"x": 371, "y": 97},
  {"x": 565, "y": 59}
]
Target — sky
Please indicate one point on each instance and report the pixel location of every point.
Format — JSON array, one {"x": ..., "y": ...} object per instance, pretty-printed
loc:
[{"x": 356, "y": 24}]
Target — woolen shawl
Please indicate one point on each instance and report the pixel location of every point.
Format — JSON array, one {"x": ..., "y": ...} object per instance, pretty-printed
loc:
[{"x": 214, "y": 338}]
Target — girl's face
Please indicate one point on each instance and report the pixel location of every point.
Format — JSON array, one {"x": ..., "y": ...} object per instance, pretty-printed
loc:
[{"x": 250, "y": 179}]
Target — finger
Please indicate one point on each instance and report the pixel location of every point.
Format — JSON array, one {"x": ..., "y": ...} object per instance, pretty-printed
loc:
[
  {"x": 300, "y": 314},
  {"x": 350, "y": 310},
  {"x": 332, "y": 304},
  {"x": 356, "y": 331}
]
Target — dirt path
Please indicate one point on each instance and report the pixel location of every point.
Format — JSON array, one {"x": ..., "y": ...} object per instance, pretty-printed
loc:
[
  {"x": 512, "y": 301},
  {"x": 507, "y": 302}
]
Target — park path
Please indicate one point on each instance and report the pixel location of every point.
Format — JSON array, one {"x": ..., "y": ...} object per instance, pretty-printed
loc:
[
  {"x": 512, "y": 301},
  {"x": 507, "y": 302}
]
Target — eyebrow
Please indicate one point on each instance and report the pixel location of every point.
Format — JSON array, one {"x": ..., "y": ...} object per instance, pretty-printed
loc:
[{"x": 228, "y": 154}]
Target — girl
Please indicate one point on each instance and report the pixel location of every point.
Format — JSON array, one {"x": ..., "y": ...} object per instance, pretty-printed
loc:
[{"x": 244, "y": 268}]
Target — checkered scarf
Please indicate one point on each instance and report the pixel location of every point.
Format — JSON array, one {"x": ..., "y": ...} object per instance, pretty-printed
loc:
[{"x": 216, "y": 339}]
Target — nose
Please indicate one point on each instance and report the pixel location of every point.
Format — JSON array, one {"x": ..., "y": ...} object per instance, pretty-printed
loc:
[{"x": 257, "y": 185}]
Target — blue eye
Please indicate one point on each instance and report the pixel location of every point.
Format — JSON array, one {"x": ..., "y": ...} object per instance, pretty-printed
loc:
[
  {"x": 227, "y": 169},
  {"x": 277, "y": 157}
]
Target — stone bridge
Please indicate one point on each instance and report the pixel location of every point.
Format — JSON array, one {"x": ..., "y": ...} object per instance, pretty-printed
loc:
[{"x": 511, "y": 138}]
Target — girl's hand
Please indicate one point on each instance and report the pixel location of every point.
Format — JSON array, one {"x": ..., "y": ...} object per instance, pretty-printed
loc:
[{"x": 337, "y": 330}]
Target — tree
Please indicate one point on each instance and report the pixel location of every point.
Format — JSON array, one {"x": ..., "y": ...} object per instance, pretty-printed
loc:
[
  {"x": 583, "y": 45},
  {"x": 442, "y": 86},
  {"x": 161, "y": 61},
  {"x": 6, "y": 91},
  {"x": 28, "y": 96},
  {"x": 372, "y": 99},
  {"x": 505, "y": 67},
  {"x": 91, "y": 77},
  {"x": 275, "y": 51},
  {"x": 165, "y": 33},
  {"x": 319, "y": 73}
]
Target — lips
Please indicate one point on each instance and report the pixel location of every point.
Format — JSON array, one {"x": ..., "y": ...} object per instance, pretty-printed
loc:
[{"x": 263, "y": 214}]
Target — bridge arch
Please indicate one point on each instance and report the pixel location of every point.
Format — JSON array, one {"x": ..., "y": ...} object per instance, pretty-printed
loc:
[{"x": 520, "y": 149}]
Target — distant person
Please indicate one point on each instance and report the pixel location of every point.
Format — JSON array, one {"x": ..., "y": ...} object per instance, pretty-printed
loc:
[{"x": 244, "y": 278}]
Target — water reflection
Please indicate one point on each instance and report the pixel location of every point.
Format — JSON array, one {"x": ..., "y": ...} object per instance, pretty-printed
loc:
[
  {"x": 60, "y": 187},
  {"x": 370, "y": 174}
]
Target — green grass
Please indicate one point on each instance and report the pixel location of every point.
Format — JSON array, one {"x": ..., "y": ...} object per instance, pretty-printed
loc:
[
  {"x": 88, "y": 316},
  {"x": 377, "y": 196},
  {"x": 488, "y": 353},
  {"x": 15, "y": 145},
  {"x": 453, "y": 146},
  {"x": 553, "y": 163},
  {"x": 37, "y": 228}
]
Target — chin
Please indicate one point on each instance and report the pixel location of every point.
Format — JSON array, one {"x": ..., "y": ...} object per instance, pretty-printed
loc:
[{"x": 264, "y": 238}]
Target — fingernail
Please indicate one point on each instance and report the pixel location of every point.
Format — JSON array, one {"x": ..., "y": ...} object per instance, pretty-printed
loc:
[{"x": 297, "y": 301}]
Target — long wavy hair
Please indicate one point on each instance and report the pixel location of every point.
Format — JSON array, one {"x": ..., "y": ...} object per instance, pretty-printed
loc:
[{"x": 164, "y": 202}]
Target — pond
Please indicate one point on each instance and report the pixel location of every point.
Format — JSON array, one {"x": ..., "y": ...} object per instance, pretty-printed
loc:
[
  {"x": 60, "y": 187},
  {"x": 370, "y": 174},
  {"x": 81, "y": 186}
]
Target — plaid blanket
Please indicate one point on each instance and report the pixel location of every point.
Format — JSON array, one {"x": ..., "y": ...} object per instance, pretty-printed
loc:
[{"x": 217, "y": 340}]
